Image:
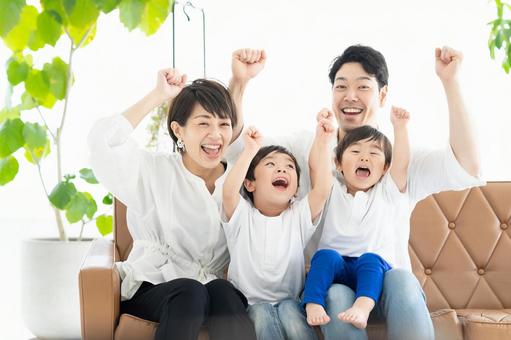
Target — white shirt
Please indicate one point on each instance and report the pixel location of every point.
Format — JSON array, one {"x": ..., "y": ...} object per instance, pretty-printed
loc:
[
  {"x": 173, "y": 218},
  {"x": 429, "y": 172},
  {"x": 267, "y": 263}
]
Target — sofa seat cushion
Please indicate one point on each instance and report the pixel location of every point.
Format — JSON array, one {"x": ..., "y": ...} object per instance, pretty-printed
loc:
[{"x": 485, "y": 324}]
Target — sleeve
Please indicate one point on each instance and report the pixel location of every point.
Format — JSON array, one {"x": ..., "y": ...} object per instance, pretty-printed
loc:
[
  {"x": 433, "y": 171},
  {"x": 307, "y": 225},
  {"x": 240, "y": 216},
  {"x": 116, "y": 159}
]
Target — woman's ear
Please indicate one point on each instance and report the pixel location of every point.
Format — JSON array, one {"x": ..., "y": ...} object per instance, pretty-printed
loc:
[
  {"x": 249, "y": 185},
  {"x": 383, "y": 95},
  {"x": 176, "y": 129}
]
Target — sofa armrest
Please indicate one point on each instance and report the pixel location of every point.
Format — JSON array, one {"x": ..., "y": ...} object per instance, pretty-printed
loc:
[{"x": 99, "y": 285}]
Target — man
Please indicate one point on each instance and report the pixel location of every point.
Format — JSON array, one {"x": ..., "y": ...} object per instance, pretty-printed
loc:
[{"x": 359, "y": 79}]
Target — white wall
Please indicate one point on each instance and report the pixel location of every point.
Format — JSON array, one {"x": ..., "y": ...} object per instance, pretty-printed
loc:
[{"x": 301, "y": 38}]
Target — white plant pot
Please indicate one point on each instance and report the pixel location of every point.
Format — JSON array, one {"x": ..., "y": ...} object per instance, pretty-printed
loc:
[{"x": 49, "y": 287}]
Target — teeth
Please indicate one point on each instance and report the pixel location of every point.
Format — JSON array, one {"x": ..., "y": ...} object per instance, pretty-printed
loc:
[
  {"x": 351, "y": 110},
  {"x": 211, "y": 146}
]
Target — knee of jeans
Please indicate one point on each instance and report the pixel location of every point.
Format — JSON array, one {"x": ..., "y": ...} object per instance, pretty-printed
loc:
[
  {"x": 260, "y": 312},
  {"x": 403, "y": 287},
  {"x": 290, "y": 309},
  {"x": 341, "y": 295},
  {"x": 325, "y": 255}
]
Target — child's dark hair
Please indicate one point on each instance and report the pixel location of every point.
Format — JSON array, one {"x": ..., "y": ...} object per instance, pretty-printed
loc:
[
  {"x": 263, "y": 152},
  {"x": 362, "y": 133},
  {"x": 211, "y": 95},
  {"x": 372, "y": 61}
]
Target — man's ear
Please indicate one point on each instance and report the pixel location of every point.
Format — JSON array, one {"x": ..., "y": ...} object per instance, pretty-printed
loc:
[
  {"x": 383, "y": 95},
  {"x": 176, "y": 129},
  {"x": 249, "y": 185}
]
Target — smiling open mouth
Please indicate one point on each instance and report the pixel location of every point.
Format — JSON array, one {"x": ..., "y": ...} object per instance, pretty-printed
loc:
[
  {"x": 280, "y": 183},
  {"x": 363, "y": 172},
  {"x": 351, "y": 111},
  {"x": 211, "y": 149}
]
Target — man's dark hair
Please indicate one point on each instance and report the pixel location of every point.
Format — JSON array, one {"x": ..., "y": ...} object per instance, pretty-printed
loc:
[
  {"x": 362, "y": 133},
  {"x": 211, "y": 95},
  {"x": 263, "y": 152},
  {"x": 371, "y": 60}
]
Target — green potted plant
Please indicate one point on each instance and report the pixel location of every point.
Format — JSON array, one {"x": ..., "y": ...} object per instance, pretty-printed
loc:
[
  {"x": 49, "y": 266},
  {"x": 500, "y": 34}
]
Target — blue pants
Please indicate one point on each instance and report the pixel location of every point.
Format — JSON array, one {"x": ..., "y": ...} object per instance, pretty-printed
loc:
[{"x": 363, "y": 274}]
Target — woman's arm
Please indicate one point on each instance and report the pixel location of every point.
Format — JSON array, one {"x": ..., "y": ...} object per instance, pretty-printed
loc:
[
  {"x": 320, "y": 163},
  {"x": 236, "y": 176},
  {"x": 401, "y": 152},
  {"x": 168, "y": 85}
]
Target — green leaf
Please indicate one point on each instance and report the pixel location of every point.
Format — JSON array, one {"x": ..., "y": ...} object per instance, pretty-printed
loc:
[
  {"x": 11, "y": 136},
  {"x": 27, "y": 102},
  {"x": 8, "y": 169},
  {"x": 35, "y": 135},
  {"x": 81, "y": 13},
  {"x": 104, "y": 224},
  {"x": 37, "y": 85},
  {"x": 56, "y": 73},
  {"x": 35, "y": 155},
  {"x": 11, "y": 113},
  {"x": 87, "y": 175},
  {"x": 498, "y": 40},
  {"x": 91, "y": 206},
  {"x": 106, "y": 6},
  {"x": 17, "y": 39},
  {"x": 10, "y": 11},
  {"x": 155, "y": 13},
  {"x": 77, "y": 207},
  {"x": 130, "y": 12},
  {"x": 48, "y": 27},
  {"x": 77, "y": 34},
  {"x": 108, "y": 199},
  {"x": 62, "y": 194},
  {"x": 17, "y": 71},
  {"x": 56, "y": 8}
]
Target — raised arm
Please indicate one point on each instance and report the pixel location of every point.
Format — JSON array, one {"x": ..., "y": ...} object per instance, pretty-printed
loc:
[
  {"x": 320, "y": 163},
  {"x": 401, "y": 151},
  {"x": 246, "y": 64},
  {"x": 236, "y": 176},
  {"x": 461, "y": 136},
  {"x": 168, "y": 85}
]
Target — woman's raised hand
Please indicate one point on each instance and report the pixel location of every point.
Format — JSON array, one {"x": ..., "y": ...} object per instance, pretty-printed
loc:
[
  {"x": 247, "y": 63},
  {"x": 169, "y": 83}
]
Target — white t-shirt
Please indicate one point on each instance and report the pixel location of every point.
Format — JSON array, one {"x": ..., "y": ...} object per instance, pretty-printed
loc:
[
  {"x": 172, "y": 217},
  {"x": 267, "y": 263},
  {"x": 429, "y": 172}
]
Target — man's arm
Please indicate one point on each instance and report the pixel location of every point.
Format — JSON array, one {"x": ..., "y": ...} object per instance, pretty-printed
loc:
[
  {"x": 461, "y": 136},
  {"x": 320, "y": 164},
  {"x": 401, "y": 151},
  {"x": 236, "y": 176},
  {"x": 246, "y": 64}
]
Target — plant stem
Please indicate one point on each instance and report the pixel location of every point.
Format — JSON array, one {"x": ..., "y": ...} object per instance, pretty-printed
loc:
[
  {"x": 81, "y": 231},
  {"x": 45, "y": 125}
]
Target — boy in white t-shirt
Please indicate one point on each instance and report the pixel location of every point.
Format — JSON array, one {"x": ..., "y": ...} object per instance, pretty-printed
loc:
[
  {"x": 267, "y": 236},
  {"x": 357, "y": 245}
]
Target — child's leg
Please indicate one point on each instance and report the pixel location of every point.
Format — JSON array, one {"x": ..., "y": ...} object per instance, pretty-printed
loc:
[
  {"x": 292, "y": 318},
  {"x": 369, "y": 270},
  {"x": 266, "y": 322},
  {"x": 326, "y": 265}
]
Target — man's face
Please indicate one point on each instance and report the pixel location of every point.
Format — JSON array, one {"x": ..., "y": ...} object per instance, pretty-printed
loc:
[{"x": 356, "y": 97}]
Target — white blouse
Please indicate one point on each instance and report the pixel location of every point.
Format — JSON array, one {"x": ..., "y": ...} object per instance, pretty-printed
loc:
[{"x": 173, "y": 218}]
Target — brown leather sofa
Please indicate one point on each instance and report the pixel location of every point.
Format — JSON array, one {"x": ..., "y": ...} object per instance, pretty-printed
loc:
[{"x": 460, "y": 246}]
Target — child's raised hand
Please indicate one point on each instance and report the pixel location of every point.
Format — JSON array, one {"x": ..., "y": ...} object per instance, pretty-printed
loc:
[
  {"x": 169, "y": 83},
  {"x": 253, "y": 139},
  {"x": 399, "y": 117}
]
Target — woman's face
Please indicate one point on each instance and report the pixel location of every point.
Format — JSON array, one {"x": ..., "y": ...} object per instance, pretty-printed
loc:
[{"x": 205, "y": 137}]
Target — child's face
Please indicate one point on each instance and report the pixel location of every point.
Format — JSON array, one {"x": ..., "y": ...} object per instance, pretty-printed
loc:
[
  {"x": 276, "y": 180},
  {"x": 362, "y": 165}
]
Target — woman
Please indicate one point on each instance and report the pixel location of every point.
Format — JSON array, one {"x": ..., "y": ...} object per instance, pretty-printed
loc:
[{"x": 179, "y": 250}]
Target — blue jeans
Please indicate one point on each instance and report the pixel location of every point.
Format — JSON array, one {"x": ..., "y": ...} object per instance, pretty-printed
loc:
[
  {"x": 363, "y": 274},
  {"x": 402, "y": 305},
  {"x": 284, "y": 320}
]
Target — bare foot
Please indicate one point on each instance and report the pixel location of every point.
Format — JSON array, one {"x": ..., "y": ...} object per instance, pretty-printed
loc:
[
  {"x": 358, "y": 314},
  {"x": 316, "y": 314}
]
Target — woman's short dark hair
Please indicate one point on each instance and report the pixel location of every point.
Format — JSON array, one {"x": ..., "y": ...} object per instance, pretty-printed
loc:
[
  {"x": 263, "y": 152},
  {"x": 211, "y": 95},
  {"x": 372, "y": 61},
  {"x": 362, "y": 133}
]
